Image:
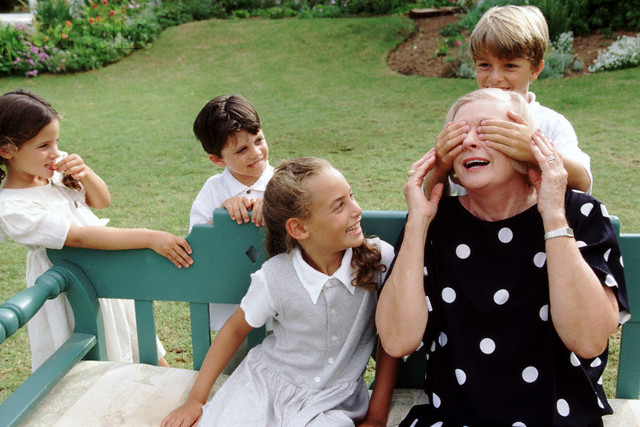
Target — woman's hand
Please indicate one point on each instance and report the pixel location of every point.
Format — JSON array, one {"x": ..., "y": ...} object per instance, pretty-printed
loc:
[
  {"x": 550, "y": 180},
  {"x": 186, "y": 415},
  {"x": 416, "y": 201}
]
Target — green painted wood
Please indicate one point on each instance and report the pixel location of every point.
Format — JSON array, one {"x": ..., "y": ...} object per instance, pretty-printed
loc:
[
  {"x": 628, "y": 384},
  {"x": 200, "y": 334},
  {"x": 146, "y": 325},
  {"x": 18, "y": 405}
]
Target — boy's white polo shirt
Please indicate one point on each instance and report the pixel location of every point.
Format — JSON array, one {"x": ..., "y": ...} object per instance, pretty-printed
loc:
[{"x": 219, "y": 188}]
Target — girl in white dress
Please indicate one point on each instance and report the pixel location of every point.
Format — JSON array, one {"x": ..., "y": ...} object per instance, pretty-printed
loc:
[
  {"x": 44, "y": 203},
  {"x": 320, "y": 288}
]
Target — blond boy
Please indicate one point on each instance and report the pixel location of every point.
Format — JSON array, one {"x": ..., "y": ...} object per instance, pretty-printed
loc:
[{"x": 508, "y": 46}]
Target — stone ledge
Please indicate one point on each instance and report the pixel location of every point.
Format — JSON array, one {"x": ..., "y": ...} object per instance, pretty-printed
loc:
[{"x": 426, "y": 13}]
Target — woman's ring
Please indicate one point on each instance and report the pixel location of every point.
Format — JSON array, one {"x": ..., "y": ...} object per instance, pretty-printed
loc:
[
  {"x": 410, "y": 172},
  {"x": 551, "y": 159}
]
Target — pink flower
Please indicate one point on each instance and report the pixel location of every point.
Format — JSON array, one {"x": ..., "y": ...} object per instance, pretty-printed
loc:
[
  {"x": 105, "y": 2},
  {"x": 111, "y": 12},
  {"x": 94, "y": 5},
  {"x": 68, "y": 23},
  {"x": 98, "y": 18},
  {"x": 90, "y": 20},
  {"x": 458, "y": 43}
]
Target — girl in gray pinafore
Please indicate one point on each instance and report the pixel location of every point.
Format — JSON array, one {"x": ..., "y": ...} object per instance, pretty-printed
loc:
[{"x": 320, "y": 287}]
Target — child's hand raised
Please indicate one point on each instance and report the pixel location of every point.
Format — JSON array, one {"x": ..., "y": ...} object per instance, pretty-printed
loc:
[
  {"x": 448, "y": 146},
  {"x": 174, "y": 248},
  {"x": 72, "y": 165},
  {"x": 510, "y": 137},
  {"x": 184, "y": 416}
]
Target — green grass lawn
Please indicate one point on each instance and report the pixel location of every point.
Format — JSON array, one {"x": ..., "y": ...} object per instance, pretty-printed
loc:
[{"x": 322, "y": 88}]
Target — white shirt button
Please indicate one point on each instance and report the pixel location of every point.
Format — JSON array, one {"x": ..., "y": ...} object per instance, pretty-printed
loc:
[
  {"x": 334, "y": 338},
  {"x": 331, "y": 360},
  {"x": 317, "y": 379},
  {"x": 333, "y": 311}
]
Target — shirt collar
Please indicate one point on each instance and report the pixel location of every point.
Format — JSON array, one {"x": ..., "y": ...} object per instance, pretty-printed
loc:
[
  {"x": 237, "y": 188},
  {"x": 314, "y": 281}
]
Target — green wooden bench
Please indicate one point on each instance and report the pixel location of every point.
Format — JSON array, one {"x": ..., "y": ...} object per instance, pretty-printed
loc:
[{"x": 77, "y": 383}]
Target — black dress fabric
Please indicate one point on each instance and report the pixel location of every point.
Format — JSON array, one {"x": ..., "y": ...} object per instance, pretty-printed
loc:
[{"x": 494, "y": 357}]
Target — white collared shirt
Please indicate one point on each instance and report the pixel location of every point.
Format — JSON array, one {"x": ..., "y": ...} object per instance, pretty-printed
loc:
[
  {"x": 258, "y": 305},
  {"x": 218, "y": 188}
]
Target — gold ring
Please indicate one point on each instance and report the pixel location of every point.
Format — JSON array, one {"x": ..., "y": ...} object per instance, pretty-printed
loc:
[
  {"x": 410, "y": 172},
  {"x": 551, "y": 159}
]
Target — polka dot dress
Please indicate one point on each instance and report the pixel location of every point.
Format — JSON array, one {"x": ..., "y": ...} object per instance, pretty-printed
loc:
[{"x": 494, "y": 357}]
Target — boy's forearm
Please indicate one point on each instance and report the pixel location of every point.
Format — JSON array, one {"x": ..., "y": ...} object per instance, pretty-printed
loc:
[{"x": 579, "y": 178}]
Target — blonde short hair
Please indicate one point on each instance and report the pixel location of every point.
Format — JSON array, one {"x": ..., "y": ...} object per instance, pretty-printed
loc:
[
  {"x": 517, "y": 103},
  {"x": 511, "y": 32}
]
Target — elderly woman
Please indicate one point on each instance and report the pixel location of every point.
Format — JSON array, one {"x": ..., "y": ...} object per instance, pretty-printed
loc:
[{"x": 514, "y": 288}]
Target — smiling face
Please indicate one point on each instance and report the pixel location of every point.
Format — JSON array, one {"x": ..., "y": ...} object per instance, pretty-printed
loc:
[
  {"x": 246, "y": 155},
  {"x": 478, "y": 166},
  {"x": 334, "y": 223},
  {"x": 30, "y": 164},
  {"x": 509, "y": 74}
]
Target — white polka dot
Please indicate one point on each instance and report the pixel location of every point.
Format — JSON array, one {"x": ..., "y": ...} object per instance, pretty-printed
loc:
[
  {"x": 442, "y": 339},
  {"x": 463, "y": 251},
  {"x": 429, "y": 306},
  {"x": 544, "y": 313},
  {"x": 586, "y": 208},
  {"x": 610, "y": 281},
  {"x": 438, "y": 424},
  {"x": 600, "y": 403},
  {"x": 530, "y": 374},
  {"x": 574, "y": 359},
  {"x": 487, "y": 346},
  {"x": 436, "y": 400},
  {"x": 448, "y": 295},
  {"x": 433, "y": 346},
  {"x": 621, "y": 261},
  {"x": 413, "y": 424},
  {"x": 539, "y": 259},
  {"x": 563, "y": 407},
  {"x": 600, "y": 380},
  {"x": 603, "y": 208},
  {"x": 596, "y": 362},
  {"x": 425, "y": 272},
  {"x": 518, "y": 424},
  {"x": 580, "y": 244},
  {"x": 461, "y": 376},
  {"x": 606, "y": 254},
  {"x": 505, "y": 235},
  {"x": 501, "y": 296}
]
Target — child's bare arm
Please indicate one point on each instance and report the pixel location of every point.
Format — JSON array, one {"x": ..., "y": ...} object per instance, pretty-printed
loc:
[
  {"x": 172, "y": 247},
  {"x": 97, "y": 191},
  {"x": 385, "y": 380},
  {"x": 448, "y": 146},
  {"x": 224, "y": 346}
]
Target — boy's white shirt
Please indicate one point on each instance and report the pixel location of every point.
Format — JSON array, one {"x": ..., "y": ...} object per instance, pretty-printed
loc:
[
  {"x": 218, "y": 188},
  {"x": 559, "y": 130},
  {"x": 258, "y": 305}
]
